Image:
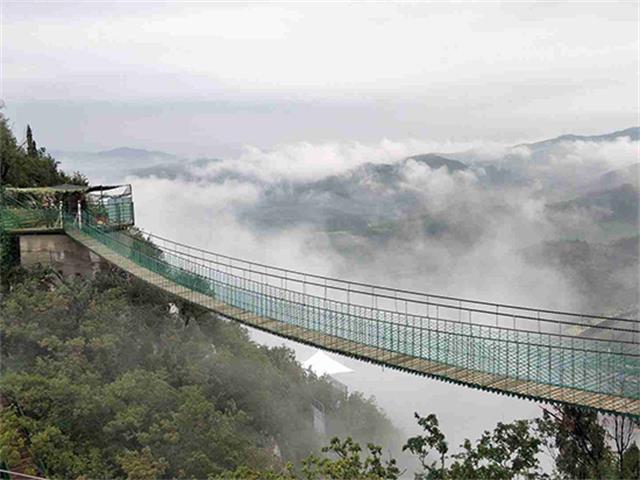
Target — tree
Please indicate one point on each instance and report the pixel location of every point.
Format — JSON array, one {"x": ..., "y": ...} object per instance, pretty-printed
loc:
[
  {"x": 622, "y": 433},
  {"x": 348, "y": 464},
  {"x": 423, "y": 445},
  {"x": 510, "y": 451},
  {"x": 141, "y": 465},
  {"x": 631, "y": 462},
  {"x": 30, "y": 167},
  {"x": 79, "y": 179},
  {"x": 10, "y": 152},
  {"x": 342, "y": 461},
  {"x": 579, "y": 440},
  {"x": 14, "y": 446},
  {"x": 32, "y": 149}
]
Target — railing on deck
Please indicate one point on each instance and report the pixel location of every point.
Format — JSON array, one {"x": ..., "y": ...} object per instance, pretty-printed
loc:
[
  {"x": 29, "y": 210},
  {"x": 586, "y": 352},
  {"x": 14, "y": 218},
  {"x": 112, "y": 211}
]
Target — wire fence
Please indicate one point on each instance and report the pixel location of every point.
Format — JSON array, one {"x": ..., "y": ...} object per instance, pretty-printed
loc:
[
  {"x": 585, "y": 352},
  {"x": 34, "y": 212}
]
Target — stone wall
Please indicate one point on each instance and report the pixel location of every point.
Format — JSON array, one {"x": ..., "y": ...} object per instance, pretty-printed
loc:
[{"x": 61, "y": 252}]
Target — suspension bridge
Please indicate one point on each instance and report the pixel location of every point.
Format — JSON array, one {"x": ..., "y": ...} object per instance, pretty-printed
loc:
[{"x": 585, "y": 360}]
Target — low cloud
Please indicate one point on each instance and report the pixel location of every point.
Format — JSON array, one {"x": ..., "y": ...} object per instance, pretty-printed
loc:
[
  {"x": 367, "y": 212},
  {"x": 492, "y": 231}
]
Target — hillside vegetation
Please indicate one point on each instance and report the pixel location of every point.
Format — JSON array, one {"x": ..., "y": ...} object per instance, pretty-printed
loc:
[
  {"x": 26, "y": 165},
  {"x": 109, "y": 371}
]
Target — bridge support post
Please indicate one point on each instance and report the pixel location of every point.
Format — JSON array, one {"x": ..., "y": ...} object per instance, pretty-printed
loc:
[
  {"x": 60, "y": 219},
  {"x": 79, "y": 215},
  {"x": 60, "y": 252}
]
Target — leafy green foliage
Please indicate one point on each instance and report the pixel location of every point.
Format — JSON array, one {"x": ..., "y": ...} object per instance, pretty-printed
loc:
[
  {"x": 9, "y": 255},
  {"x": 424, "y": 445},
  {"x": 580, "y": 442},
  {"x": 576, "y": 439},
  {"x": 510, "y": 451},
  {"x": 141, "y": 465},
  {"x": 32, "y": 149},
  {"x": 13, "y": 445},
  {"x": 24, "y": 167},
  {"x": 30, "y": 167},
  {"x": 348, "y": 464},
  {"x": 114, "y": 382},
  {"x": 630, "y": 467},
  {"x": 342, "y": 460}
]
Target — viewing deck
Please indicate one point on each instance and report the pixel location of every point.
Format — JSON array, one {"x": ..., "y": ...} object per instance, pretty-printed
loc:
[{"x": 41, "y": 210}]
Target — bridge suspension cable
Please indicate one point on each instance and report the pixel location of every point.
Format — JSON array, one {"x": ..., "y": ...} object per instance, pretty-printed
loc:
[
  {"x": 586, "y": 360},
  {"x": 547, "y": 355}
]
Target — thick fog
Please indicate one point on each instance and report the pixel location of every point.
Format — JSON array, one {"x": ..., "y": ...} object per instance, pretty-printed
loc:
[
  {"x": 477, "y": 220},
  {"x": 370, "y": 212}
]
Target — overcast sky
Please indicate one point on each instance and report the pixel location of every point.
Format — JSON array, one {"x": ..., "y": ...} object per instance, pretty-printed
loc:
[{"x": 205, "y": 78}]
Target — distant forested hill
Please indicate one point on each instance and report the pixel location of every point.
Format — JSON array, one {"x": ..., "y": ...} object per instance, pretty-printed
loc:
[
  {"x": 632, "y": 134},
  {"x": 616, "y": 204}
]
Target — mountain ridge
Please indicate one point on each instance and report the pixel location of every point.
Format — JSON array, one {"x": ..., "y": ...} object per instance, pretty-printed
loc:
[
  {"x": 129, "y": 152},
  {"x": 632, "y": 133},
  {"x": 430, "y": 157}
]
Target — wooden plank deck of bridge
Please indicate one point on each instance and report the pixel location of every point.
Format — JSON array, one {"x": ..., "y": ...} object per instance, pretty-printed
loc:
[{"x": 477, "y": 379}]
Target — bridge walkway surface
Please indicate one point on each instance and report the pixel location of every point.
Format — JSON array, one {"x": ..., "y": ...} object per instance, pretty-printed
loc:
[{"x": 303, "y": 325}]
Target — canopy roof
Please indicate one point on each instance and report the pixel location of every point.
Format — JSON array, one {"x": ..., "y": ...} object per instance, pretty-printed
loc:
[
  {"x": 322, "y": 364},
  {"x": 65, "y": 188}
]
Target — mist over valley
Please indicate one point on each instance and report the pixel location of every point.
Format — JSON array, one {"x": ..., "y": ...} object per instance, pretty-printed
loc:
[{"x": 552, "y": 224}]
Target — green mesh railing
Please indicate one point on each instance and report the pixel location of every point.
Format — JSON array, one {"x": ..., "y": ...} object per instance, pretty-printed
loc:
[
  {"x": 585, "y": 352},
  {"x": 13, "y": 218},
  {"x": 18, "y": 214},
  {"x": 113, "y": 211}
]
